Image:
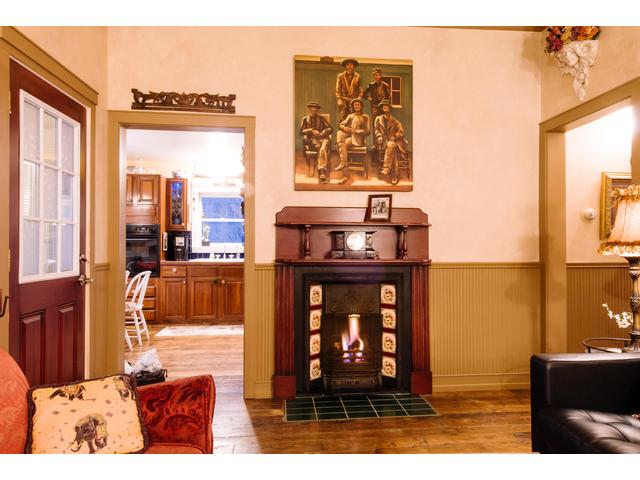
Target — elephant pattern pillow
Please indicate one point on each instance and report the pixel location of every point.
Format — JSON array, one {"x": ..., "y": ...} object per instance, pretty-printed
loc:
[{"x": 94, "y": 416}]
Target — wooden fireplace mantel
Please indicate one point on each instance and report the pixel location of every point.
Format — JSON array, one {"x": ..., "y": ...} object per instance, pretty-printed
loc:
[
  {"x": 304, "y": 233},
  {"x": 303, "y": 238}
]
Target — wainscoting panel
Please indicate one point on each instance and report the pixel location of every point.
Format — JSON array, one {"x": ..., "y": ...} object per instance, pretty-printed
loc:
[
  {"x": 588, "y": 287},
  {"x": 485, "y": 324}
]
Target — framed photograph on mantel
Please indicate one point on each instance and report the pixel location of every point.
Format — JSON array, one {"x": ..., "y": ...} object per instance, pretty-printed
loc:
[
  {"x": 378, "y": 208},
  {"x": 353, "y": 124},
  {"x": 610, "y": 183}
]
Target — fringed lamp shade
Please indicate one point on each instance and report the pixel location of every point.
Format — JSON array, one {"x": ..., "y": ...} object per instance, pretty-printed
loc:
[{"x": 624, "y": 239}]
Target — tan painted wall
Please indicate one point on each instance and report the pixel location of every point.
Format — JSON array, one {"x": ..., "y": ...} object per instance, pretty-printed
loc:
[
  {"x": 616, "y": 64},
  {"x": 588, "y": 287},
  {"x": 83, "y": 50},
  {"x": 476, "y": 109},
  {"x": 603, "y": 145}
]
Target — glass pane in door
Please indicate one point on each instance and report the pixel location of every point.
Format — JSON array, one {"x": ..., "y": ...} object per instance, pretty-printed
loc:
[
  {"x": 50, "y": 248},
  {"x": 66, "y": 247},
  {"x": 31, "y": 132},
  {"x": 66, "y": 198},
  {"x": 30, "y": 189},
  {"x": 50, "y": 193},
  {"x": 50, "y": 139},
  {"x": 30, "y": 242},
  {"x": 67, "y": 147}
]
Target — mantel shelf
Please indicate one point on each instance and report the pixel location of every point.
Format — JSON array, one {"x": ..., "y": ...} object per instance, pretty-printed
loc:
[
  {"x": 306, "y": 235},
  {"x": 361, "y": 225},
  {"x": 352, "y": 262}
]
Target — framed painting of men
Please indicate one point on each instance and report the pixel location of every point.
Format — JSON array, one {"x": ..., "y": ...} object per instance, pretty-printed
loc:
[{"x": 353, "y": 124}]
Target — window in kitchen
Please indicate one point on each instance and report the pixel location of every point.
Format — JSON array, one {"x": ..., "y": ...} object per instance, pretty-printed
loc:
[{"x": 218, "y": 225}]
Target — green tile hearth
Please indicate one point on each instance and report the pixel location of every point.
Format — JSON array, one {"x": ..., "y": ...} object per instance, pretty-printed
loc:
[{"x": 348, "y": 407}]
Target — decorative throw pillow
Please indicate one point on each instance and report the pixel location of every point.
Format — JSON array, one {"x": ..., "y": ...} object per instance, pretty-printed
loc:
[{"x": 94, "y": 416}]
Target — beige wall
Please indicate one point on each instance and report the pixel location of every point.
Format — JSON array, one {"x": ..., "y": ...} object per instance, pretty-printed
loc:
[
  {"x": 603, "y": 145},
  {"x": 616, "y": 64},
  {"x": 83, "y": 50},
  {"x": 476, "y": 109}
]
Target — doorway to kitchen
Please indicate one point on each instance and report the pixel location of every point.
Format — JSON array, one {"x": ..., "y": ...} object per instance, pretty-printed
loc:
[
  {"x": 184, "y": 250},
  {"x": 183, "y": 185}
]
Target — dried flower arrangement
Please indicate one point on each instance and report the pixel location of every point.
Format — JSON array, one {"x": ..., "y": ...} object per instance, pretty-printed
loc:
[{"x": 558, "y": 37}]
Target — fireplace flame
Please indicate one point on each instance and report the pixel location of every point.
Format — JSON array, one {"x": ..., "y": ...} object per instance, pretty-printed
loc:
[{"x": 352, "y": 344}]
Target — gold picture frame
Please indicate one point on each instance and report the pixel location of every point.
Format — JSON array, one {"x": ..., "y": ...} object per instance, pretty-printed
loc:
[{"x": 611, "y": 181}]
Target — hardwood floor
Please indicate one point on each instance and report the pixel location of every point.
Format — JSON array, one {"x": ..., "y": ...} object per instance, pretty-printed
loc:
[{"x": 469, "y": 422}]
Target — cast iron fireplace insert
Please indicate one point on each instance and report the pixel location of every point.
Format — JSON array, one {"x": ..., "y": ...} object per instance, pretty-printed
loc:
[{"x": 345, "y": 340}]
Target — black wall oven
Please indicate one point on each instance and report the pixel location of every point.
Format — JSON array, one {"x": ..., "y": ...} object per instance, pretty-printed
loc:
[{"x": 143, "y": 248}]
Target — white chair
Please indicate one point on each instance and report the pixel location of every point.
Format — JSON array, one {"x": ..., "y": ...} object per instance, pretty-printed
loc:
[
  {"x": 134, "y": 316},
  {"x": 126, "y": 335}
]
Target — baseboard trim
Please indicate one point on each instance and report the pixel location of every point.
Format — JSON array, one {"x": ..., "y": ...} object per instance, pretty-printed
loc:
[
  {"x": 262, "y": 389},
  {"x": 468, "y": 383}
]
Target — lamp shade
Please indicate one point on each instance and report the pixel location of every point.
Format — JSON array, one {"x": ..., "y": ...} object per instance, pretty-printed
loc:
[{"x": 624, "y": 239}]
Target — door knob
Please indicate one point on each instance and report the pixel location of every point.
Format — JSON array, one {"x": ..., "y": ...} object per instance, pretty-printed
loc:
[{"x": 83, "y": 280}]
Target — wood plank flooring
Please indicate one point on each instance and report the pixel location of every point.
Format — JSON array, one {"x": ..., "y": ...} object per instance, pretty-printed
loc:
[{"x": 469, "y": 422}]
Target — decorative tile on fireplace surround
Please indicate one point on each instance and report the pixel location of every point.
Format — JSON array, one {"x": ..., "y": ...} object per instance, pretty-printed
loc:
[{"x": 351, "y": 407}]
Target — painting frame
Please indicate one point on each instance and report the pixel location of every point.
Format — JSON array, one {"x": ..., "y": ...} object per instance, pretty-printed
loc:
[
  {"x": 384, "y": 215},
  {"x": 610, "y": 182},
  {"x": 336, "y": 151}
]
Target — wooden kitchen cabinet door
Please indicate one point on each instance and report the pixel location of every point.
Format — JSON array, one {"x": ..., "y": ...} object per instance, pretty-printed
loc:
[
  {"x": 232, "y": 300},
  {"x": 203, "y": 299},
  {"x": 174, "y": 299},
  {"x": 143, "y": 198},
  {"x": 148, "y": 190}
]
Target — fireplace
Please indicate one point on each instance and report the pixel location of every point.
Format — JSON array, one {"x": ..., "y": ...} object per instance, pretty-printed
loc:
[
  {"x": 353, "y": 332},
  {"x": 357, "y": 325},
  {"x": 351, "y": 353}
]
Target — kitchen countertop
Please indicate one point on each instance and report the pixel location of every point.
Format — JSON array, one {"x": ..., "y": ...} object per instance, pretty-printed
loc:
[{"x": 204, "y": 261}]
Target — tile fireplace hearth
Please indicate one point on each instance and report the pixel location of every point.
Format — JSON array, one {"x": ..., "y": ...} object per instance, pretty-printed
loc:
[{"x": 357, "y": 325}]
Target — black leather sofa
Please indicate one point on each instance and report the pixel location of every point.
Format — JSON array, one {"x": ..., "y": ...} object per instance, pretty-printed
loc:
[{"x": 583, "y": 403}]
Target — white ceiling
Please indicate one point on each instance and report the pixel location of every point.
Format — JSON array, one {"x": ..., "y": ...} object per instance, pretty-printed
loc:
[{"x": 206, "y": 151}]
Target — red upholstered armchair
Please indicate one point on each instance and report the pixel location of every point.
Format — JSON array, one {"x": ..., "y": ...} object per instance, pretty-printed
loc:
[{"x": 177, "y": 414}]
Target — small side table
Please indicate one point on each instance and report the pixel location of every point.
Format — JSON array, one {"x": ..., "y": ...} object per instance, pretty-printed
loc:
[{"x": 591, "y": 344}]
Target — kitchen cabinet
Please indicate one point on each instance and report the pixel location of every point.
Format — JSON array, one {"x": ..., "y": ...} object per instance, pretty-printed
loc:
[
  {"x": 174, "y": 300},
  {"x": 231, "y": 294},
  {"x": 177, "y": 216},
  {"x": 142, "y": 198},
  {"x": 201, "y": 293}
]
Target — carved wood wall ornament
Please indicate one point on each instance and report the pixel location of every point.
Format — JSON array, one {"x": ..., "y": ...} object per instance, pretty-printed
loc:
[{"x": 198, "y": 102}]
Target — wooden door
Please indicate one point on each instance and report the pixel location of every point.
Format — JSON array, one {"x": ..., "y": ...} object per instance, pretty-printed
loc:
[
  {"x": 46, "y": 229},
  {"x": 203, "y": 299},
  {"x": 174, "y": 299}
]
